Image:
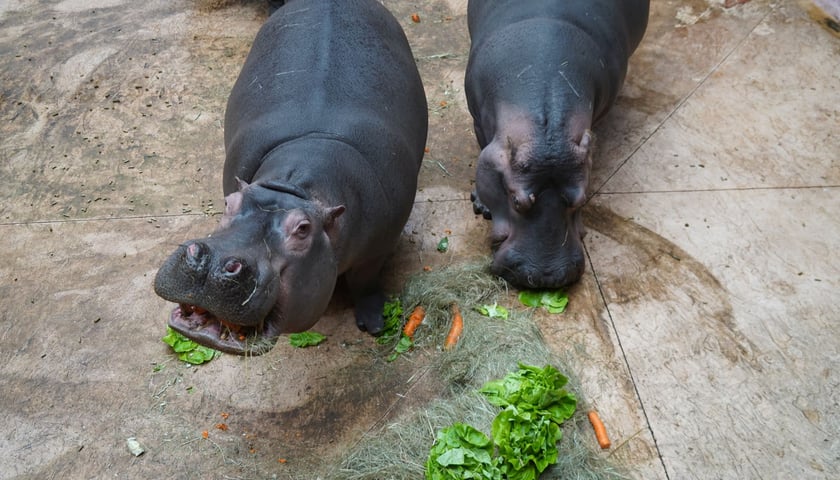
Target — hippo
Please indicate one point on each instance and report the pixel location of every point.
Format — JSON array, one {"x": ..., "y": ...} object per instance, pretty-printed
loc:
[
  {"x": 540, "y": 74},
  {"x": 324, "y": 135}
]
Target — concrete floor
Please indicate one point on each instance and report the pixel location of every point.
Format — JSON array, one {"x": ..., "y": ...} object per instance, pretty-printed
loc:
[{"x": 704, "y": 331}]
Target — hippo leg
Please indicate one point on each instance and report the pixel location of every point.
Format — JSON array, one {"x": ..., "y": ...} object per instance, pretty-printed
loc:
[
  {"x": 368, "y": 299},
  {"x": 478, "y": 207}
]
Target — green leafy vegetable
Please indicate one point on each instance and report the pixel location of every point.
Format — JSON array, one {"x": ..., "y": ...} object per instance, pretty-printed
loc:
[
  {"x": 527, "y": 442},
  {"x": 462, "y": 452},
  {"x": 554, "y": 301},
  {"x": 443, "y": 245},
  {"x": 533, "y": 388},
  {"x": 306, "y": 339},
  {"x": 527, "y": 430},
  {"x": 187, "y": 350},
  {"x": 404, "y": 345},
  {"x": 525, "y": 433},
  {"x": 492, "y": 311},
  {"x": 392, "y": 315}
]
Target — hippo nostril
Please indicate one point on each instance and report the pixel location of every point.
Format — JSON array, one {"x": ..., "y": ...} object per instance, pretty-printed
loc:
[
  {"x": 233, "y": 267},
  {"x": 196, "y": 254}
]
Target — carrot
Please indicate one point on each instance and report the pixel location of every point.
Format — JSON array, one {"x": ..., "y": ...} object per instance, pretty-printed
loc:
[
  {"x": 600, "y": 430},
  {"x": 414, "y": 321},
  {"x": 205, "y": 434},
  {"x": 455, "y": 330},
  {"x": 415, "y": 18}
]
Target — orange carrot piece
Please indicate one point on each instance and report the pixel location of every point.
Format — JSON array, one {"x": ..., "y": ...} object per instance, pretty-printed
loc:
[
  {"x": 414, "y": 321},
  {"x": 415, "y": 18},
  {"x": 600, "y": 430},
  {"x": 455, "y": 330}
]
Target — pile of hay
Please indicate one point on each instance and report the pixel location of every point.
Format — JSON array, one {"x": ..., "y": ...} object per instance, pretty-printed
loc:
[{"x": 488, "y": 349}]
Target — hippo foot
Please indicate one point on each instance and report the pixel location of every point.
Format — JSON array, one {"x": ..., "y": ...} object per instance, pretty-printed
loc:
[
  {"x": 478, "y": 207},
  {"x": 369, "y": 313}
]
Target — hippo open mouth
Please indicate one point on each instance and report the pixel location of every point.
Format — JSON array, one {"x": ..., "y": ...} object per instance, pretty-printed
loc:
[{"x": 201, "y": 326}]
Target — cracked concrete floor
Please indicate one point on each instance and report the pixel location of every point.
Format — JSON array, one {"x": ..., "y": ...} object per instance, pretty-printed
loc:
[{"x": 704, "y": 331}]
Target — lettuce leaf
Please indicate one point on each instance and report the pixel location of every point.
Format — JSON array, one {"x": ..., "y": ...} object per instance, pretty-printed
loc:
[
  {"x": 462, "y": 452},
  {"x": 554, "y": 301},
  {"x": 187, "y": 350},
  {"x": 492, "y": 311},
  {"x": 306, "y": 339}
]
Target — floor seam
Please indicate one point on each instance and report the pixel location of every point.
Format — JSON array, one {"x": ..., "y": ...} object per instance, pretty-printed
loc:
[
  {"x": 713, "y": 190},
  {"x": 684, "y": 100},
  {"x": 627, "y": 364}
]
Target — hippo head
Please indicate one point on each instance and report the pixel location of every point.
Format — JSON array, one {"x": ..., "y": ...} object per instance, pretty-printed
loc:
[
  {"x": 268, "y": 269},
  {"x": 533, "y": 193}
]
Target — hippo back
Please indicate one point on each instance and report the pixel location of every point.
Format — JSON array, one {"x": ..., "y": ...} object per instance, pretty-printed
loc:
[{"x": 363, "y": 69}]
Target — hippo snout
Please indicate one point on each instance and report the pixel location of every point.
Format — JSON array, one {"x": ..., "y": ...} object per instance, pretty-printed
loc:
[{"x": 546, "y": 271}]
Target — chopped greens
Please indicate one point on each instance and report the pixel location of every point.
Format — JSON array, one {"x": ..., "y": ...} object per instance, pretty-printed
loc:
[
  {"x": 404, "y": 345},
  {"x": 187, "y": 350},
  {"x": 554, "y": 301},
  {"x": 492, "y": 311},
  {"x": 392, "y": 313},
  {"x": 306, "y": 339}
]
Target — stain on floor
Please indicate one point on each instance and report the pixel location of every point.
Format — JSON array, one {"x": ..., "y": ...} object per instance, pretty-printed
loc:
[{"x": 704, "y": 330}]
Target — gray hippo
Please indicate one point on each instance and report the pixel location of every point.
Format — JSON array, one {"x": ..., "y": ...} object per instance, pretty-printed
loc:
[
  {"x": 539, "y": 75},
  {"x": 324, "y": 136}
]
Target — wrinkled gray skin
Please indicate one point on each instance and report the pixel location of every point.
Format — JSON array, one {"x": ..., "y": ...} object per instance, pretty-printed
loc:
[
  {"x": 540, "y": 74},
  {"x": 324, "y": 135}
]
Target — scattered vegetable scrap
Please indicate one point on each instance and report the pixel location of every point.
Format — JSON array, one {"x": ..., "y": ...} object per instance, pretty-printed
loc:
[
  {"x": 415, "y": 18},
  {"x": 306, "y": 339},
  {"x": 225, "y": 415},
  {"x": 554, "y": 301},
  {"x": 443, "y": 245},
  {"x": 427, "y": 268},
  {"x": 404, "y": 345},
  {"x": 222, "y": 426},
  {"x": 426, "y": 150},
  {"x": 205, "y": 434},
  {"x": 455, "y": 330},
  {"x": 493, "y": 311},
  {"x": 443, "y": 103},
  {"x": 414, "y": 321},
  {"x": 281, "y": 460},
  {"x": 134, "y": 446},
  {"x": 187, "y": 350},
  {"x": 600, "y": 430}
]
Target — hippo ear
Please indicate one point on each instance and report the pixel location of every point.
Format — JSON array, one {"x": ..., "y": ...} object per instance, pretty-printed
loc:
[
  {"x": 233, "y": 203},
  {"x": 330, "y": 216},
  {"x": 241, "y": 184}
]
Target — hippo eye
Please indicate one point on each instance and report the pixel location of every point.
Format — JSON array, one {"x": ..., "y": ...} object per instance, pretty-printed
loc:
[{"x": 302, "y": 229}]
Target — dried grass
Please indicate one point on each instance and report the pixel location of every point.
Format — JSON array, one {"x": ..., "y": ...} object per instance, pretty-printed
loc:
[{"x": 488, "y": 349}]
